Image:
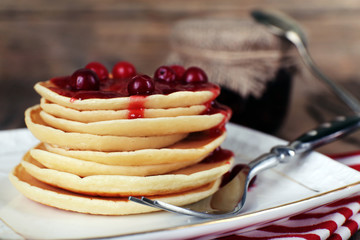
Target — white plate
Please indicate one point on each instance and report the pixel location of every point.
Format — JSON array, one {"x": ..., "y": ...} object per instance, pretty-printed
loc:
[{"x": 286, "y": 190}]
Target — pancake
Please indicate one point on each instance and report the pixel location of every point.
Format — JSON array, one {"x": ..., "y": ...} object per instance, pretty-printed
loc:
[
  {"x": 172, "y": 100},
  {"x": 84, "y": 141},
  {"x": 104, "y": 115},
  {"x": 118, "y": 185},
  {"x": 136, "y": 127},
  {"x": 195, "y": 146},
  {"x": 60, "y": 198},
  {"x": 86, "y": 168}
]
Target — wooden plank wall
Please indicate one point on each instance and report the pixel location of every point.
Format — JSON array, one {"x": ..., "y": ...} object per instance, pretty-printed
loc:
[{"x": 40, "y": 39}]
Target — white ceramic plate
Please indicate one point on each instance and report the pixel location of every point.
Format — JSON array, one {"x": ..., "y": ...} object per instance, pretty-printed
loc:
[{"x": 288, "y": 189}]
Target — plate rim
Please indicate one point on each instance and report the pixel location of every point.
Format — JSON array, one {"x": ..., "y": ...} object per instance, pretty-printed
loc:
[{"x": 233, "y": 219}]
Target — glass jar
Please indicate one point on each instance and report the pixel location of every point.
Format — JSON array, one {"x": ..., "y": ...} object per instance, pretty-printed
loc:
[{"x": 254, "y": 68}]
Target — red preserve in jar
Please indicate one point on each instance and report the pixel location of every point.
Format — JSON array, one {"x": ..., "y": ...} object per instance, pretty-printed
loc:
[{"x": 254, "y": 68}]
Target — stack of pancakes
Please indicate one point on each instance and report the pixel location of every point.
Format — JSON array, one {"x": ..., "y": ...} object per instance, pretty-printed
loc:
[{"x": 92, "y": 156}]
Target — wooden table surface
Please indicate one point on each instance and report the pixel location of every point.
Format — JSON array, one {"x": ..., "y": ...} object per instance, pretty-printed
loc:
[{"x": 40, "y": 40}]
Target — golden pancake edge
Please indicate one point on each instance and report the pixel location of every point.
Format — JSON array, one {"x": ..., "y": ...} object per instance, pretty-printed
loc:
[{"x": 66, "y": 200}]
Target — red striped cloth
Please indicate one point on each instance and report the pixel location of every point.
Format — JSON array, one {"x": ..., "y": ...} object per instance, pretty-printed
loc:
[{"x": 337, "y": 221}]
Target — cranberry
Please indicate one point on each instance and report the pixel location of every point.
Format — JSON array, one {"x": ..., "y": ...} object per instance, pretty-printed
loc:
[
  {"x": 165, "y": 73},
  {"x": 123, "y": 70},
  {"x": 141, "y": 85},
  {"x": 179, "y": 71},
  {"x": 84, "y": 79},
  {"x": 99, "y": 69},
  {"x": 194, "y": 75}
]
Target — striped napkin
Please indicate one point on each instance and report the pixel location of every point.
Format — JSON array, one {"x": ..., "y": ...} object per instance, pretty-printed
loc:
[{"x": 337, "y": 221}]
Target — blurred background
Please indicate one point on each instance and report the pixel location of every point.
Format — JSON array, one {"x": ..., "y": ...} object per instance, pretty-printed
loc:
[{"x": 41, "y": 39}]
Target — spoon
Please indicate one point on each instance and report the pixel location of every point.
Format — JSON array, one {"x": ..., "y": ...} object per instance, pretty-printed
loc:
[
  {"x": 229, "y": 199},
  {"x": 282, "y": 25}
]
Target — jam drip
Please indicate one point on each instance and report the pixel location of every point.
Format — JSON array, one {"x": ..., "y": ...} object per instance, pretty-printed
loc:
[
  {"x": 227, "y": 177},
  {"x": 218, "y": 155},
  {"x": 214, "y": 107},
  {"x": 136, "y": 107}
]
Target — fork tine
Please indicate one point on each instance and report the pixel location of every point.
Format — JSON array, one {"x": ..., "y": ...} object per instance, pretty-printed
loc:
[
  {"x": 138, "y": 200},
  {"x": 165, "y": 206},
  {"x": 148, "y": 202}
]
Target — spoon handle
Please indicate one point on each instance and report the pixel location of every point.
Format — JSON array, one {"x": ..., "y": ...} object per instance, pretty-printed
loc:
[{"x": 344, "y": 95}]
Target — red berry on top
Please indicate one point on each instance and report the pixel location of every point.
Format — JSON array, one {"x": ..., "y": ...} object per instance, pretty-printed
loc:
[
  {"x": 165, "y": 73},
  {"x": 123, "y": 70},
  {"x": 84, "y": 79},
  {"x": 141, "y": 85},
  {"x": 179, "y": 71},
  {"x": 99, "y": 69},
  {"x": 194, "y": 75}
]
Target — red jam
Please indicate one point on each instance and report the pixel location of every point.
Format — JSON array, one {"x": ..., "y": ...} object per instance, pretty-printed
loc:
[
  {"x": 125, "y": 82},
  {"x": 218, "y": 155},
  {"x": 214, "y": 107},
  {"x": 113, "y": 88}
]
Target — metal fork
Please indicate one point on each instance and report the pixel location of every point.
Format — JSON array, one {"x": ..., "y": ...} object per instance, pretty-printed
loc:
[{"x": 229, "y": 199}]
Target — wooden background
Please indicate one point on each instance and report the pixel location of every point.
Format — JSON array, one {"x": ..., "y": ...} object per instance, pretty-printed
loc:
[{"x": 40, "y": 39}]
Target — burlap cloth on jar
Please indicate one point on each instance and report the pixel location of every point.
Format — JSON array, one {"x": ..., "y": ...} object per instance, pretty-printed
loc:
[{"x": 235, "y": 53}]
